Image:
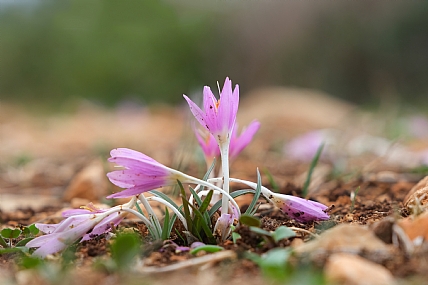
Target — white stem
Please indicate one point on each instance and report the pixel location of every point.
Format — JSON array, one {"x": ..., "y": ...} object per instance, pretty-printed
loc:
[
  {"x": 224, "y": 151},
  {"x": 175, "y": 210},
  {"x": 152, "y": 214}
]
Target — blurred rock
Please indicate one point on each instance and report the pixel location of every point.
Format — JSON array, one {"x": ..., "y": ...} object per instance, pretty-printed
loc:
[
  {"x": 415, "y": 228},
  {"x": 90, "y": 183},
  {"x": 383, "y": 229},
  {"x": 418, "y": 196},
  {"x": 343, "y": 268},
  {"x": 346, "y": 238}
]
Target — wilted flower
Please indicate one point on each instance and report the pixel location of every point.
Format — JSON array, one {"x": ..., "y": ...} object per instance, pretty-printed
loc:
[
  {"x": 218, "y": 116},
  {"x": 300, "y": 209},
  {"x": 141, "y": 174},
  {"x": 83, "y": 225},
  {"x": 238, "y": 143}
]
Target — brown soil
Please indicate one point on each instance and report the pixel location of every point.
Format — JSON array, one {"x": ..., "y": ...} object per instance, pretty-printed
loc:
[{"x": 378, "y": 204}]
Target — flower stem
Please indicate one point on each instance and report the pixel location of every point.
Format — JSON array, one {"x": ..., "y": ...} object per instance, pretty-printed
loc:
[
  {"x": 224, "y": 152},
  {"x": 166, "y": 203},
  {"x": 190, "y": 179}
]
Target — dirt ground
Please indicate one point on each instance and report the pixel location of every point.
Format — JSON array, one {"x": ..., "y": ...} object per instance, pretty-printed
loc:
[{"x": 376, "y": 233}]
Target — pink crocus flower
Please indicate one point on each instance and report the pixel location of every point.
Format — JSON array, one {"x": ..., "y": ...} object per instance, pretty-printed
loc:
[
  {"x": 218, "y": 116},
  {"x": 300, "y": 209},
  {"x": 208, "y": 144},
  {"x": 78, "y": 224},
  {"x": 238, "y": 143},
  {"x": 141, "y": 174}
]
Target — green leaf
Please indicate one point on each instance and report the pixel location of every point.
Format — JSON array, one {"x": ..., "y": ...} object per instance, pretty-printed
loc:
[
  {"x": 253, "y": 203},
  {"x": 186, "y": 208},
  {"x": 311, "y": 170},
  {"x": 33, "y": 229},
  {"x": 205, "y": 178},
  {"x": 29, "y": 262},
  {"x": 3, "y": 243},
  {"x": 165, "y": 229},
  {"x": 273, "y": 263},
  {"x": 282, "y": 232},
  {"x": 208, "y": 248},
  {"x": 235, "y": 237},
  {"x": 260, "y": 231},
  {"x": 6, "y": 233},
  {"x": 124, "y": 249},
  {"x": 271, "y": 180},
  {"x": 249, "y": 220},
  {"x": 24, "y": 241},
  {"x": 166, "y": 198},
  {"x": 16, "y": 233},
  {"x": 234, "y": 194},
  {"x": 12, "y": 250},
  {"x": 204, "y": 226}
]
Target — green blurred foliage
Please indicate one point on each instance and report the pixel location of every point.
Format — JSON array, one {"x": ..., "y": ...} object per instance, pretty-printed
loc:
[
  {"x": 102, "y": 50},
  {"x": 154, "y": 50},
  {"x": 365, "y": 54}
]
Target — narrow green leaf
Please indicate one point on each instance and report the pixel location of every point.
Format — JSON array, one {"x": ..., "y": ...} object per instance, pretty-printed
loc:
[
  {"x": 282, "y": 232},
  {"x": 139, "y": 209},
  {"x": 249, "y": 220},
  {"x": 256, "y": 194},
  {"x": 165, "y": 227},
  {"x": 204, "y": 206},
  {"x": 234, "y": 194},
  {"x": 208, "y": 248},
  {"x": 311, "y": 170},
  {"x": 186, "y": 207},
  {"x": 166, "y": 198},
  {"x": 205, "y": 178},
  {"x": 204, "y": 226},
  {"x": 271, "y": 180},
  {"x": 171, "y": 223}
]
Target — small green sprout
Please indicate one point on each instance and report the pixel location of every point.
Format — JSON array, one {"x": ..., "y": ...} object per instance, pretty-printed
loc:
[{"x": 14, "y": 240}]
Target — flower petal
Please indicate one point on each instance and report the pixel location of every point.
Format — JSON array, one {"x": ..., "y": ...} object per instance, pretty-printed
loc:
[{"x": 197, "y": 112}]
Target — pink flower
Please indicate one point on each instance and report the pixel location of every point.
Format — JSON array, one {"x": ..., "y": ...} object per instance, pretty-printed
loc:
[
  {"x": 218, "y": 116},
  {"x": 85, "y": 225},
  {"x": 141, "y": 174},
  {"x": 237, "y": 144},
  {"x": 208, "y": 144},
  {"x": 300, "y": 209}
]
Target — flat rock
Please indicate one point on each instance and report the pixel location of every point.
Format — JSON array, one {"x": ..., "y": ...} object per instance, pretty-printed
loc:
[
  {"x": 349, "y": 269},
  {"x": 346, "y": 238},
  {"x": 90, "y": 183}
]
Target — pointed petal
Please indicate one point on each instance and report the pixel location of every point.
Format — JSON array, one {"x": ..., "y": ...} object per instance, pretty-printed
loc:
[
  {"x": 237, "y": 144},
  {"x": 197, "y": 112}
]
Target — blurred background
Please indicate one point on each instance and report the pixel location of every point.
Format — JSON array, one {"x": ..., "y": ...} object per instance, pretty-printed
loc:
[{"x": 54, "y": 52}]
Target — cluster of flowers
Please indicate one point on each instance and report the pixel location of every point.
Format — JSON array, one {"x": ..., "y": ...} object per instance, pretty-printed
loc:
[{"x": 141, "y": 173}]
